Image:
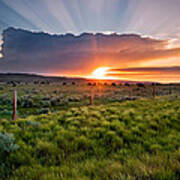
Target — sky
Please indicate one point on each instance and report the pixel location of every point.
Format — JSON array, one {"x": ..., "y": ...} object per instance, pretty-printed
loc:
[{"x": 148, "y": 19}]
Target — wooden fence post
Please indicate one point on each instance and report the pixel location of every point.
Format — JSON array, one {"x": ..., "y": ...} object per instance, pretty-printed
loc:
[
  {"x": 91, "y": 99},
  {"x": 170, "y": 90},
  {"x": 130, "y": 92},
  {"x": 100, "y": 88},
  {"x": 154, "y": 91},
  {"x": 15, "y": 105}
]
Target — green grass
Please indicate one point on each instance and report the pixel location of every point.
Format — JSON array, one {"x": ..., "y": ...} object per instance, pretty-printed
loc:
[
  {"x": 129, "y": 140},
  {"x": 36, "y": 99}
]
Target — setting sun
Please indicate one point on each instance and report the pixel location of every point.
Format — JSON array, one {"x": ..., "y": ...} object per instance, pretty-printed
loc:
[{"x": 100, "y": 72}]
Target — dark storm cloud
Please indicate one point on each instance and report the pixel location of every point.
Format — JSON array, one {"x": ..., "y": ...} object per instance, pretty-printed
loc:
[{"x": 26, "y": 51}]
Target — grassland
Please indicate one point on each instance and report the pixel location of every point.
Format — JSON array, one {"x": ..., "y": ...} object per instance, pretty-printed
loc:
[
  {"x": 58, "y": 135},
  {"x": 48, "y": 96}
]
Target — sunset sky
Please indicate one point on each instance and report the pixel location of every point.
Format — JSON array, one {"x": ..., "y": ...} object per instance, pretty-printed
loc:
[{"x": 131, "y": 39}]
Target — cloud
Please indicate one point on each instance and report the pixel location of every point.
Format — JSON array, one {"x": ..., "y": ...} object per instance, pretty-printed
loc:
[
  {"x": 161, "y": 74},
  {"x": 26, "y": 51},
  {"x": 149, "y": 69}
]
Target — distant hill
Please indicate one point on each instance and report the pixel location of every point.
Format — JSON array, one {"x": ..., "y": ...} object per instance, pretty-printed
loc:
[{"x": 25, "y": 77}]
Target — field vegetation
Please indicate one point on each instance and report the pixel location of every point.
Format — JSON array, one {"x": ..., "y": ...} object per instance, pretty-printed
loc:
[{"x": 58, "y": 135}]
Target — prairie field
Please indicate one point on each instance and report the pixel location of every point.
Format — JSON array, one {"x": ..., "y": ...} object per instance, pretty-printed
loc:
[
  {"x": 89, "y": 130},
  {"x": 89, "y": 90}
]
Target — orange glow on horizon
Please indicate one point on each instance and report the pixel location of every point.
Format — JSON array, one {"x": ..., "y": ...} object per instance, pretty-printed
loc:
[
  {"x": 107, "y": 73},
  {"x": 101, "y": 73}
]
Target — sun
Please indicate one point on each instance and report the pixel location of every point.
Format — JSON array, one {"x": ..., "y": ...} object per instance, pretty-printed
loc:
[{"x": 100, "y": 73}]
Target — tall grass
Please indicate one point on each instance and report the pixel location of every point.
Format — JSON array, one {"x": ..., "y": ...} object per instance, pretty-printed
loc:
[{"x": 130, "y": 140}]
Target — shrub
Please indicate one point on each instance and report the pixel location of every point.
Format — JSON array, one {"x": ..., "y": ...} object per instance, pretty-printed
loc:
[
  {"x": 140, "y": 85},
  {"x": 54, "y": 102},
  {"x": 32, "y": 123},
  {"x": 46, "y": 98},
  {"x": 45, "y": 104},
  {"x": 27, "y": 103},
  {"x": 7, "y": 144},
  {"x": 44, "y": 111},
  {"x": 7, "y": 112}
]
